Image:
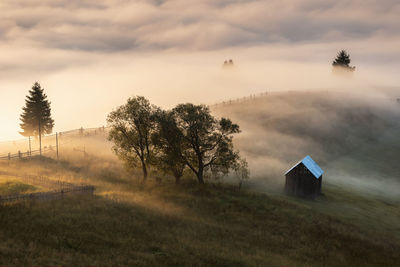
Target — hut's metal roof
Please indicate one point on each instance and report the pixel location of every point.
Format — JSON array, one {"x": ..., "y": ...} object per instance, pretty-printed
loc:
[{"x": 310, "y": 165}]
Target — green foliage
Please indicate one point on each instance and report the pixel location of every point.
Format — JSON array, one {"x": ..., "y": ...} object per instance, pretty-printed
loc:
[
  {"x": 36, "y": 117},
  {"x": 131, "y": 128},
  {"x": 15, "y": 187},
  {"x": 207, "y": 142},
  {"x": 168, "y": 142}
]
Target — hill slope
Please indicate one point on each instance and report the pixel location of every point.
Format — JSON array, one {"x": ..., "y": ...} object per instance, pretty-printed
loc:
[
  {"x": 128, "y": 223},
  {"x": 353, "y": 137}
]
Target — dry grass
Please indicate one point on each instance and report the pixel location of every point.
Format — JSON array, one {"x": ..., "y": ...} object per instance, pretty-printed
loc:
[
  {"x": 161, "y": 224},
  {"x": 11, "y": 186},
  {"x": 128, "y": 223}
]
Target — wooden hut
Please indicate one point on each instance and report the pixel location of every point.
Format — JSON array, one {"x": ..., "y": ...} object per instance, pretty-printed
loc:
[{"x": 304, "y": 179}]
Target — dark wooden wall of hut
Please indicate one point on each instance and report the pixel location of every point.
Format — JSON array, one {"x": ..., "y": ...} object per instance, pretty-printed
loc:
[{"x": 301, "y": 182}]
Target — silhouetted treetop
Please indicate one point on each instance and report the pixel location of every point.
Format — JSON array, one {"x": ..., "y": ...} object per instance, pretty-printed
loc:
[
  {"x": 36, "y": 116},
  {"x": 342, "y": 60},
  {"x": 228, "y": 63}
]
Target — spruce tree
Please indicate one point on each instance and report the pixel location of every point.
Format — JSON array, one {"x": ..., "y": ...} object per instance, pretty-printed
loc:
[
  {"x": 36, "y": 116},
  {"x": 343, "y": 60}
]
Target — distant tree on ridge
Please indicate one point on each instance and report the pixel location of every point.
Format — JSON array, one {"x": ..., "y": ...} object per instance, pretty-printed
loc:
[{"x": 343, "y": 60}]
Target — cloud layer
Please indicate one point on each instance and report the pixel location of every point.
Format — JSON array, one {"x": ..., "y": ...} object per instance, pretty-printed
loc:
[
  {"x": 111, "y": 26},
  {"x": 172, "y": 50}
]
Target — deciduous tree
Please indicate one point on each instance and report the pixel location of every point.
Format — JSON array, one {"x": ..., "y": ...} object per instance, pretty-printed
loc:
[
  {"x": 131, "y": 128},
  {"x": 168, "y": 141},
  {"x": 206, "y": 141}
]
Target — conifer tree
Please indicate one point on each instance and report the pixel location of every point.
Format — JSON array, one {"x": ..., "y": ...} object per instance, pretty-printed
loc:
[
  {"x": 36, "y": 116},
  {"x": 343, "y": 60}
]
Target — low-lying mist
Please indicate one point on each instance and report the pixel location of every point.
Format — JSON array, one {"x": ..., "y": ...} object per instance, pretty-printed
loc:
[
  {"x": 89, "y": 91},
  {"x": 351, "y": 135}
]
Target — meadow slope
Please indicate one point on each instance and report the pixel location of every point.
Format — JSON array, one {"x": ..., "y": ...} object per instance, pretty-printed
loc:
[
  {"x": 128, "y": 223},
  {"x": 354, "y": 137},
  {"x": 353, "y": 223}
]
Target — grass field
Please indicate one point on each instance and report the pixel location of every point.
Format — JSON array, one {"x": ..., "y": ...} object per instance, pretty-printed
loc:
[
  {"x": 129, "y": 223},
  {"x": 356, "y": 222},
  {"x": 11, "y": 186}
]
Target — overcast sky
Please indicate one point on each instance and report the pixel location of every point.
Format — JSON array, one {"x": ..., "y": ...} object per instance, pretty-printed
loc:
[{"x": 91, "y": 55}]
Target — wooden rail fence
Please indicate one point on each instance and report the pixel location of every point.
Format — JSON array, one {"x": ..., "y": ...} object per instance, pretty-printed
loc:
[
  {"x": 26, "y": 154},
  {"x": 49, "y": 195},
  {"x": 59, "y": 189},
  {"x": 50, "y": 143}
]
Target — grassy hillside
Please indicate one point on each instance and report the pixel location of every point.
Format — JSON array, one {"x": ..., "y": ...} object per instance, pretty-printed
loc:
[
  {"x": 10, "y": 186},
  {"x": 354, "y": 223},
  {"x": 161, "y": 224},
  {"x": 355, "y": 138}
]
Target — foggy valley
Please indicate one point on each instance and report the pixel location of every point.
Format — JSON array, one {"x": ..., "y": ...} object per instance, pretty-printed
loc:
[{"x": 211, "y": 133}]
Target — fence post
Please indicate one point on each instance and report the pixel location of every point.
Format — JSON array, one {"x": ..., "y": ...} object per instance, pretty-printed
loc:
[
  {"x": 57, "y": 144},
  {"x": 30, "y": 147},
  {"x": 40, "y": 140}
]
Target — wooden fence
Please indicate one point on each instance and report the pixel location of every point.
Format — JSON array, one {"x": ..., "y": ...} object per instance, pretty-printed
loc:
[
  {"x": 49, "y": 195},
  {"x": 26, "y": 154},
  {"x": 59, "y": 189},
  {"x": 22, "y": 148},
  {"x": 42, "y": 181}
]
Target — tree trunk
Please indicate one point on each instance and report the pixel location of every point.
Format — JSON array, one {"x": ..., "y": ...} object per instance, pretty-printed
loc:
[
  {"x": 40, "y": 139},
  {"x": 144, "y": 171},
  {"x": 177, "y": 179},
  {"x": 30, "y": 147},
  {"x": 178, "y": 173},
  {"x": 201, "y": 167},
  {"x": 200, "y": 175}
]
